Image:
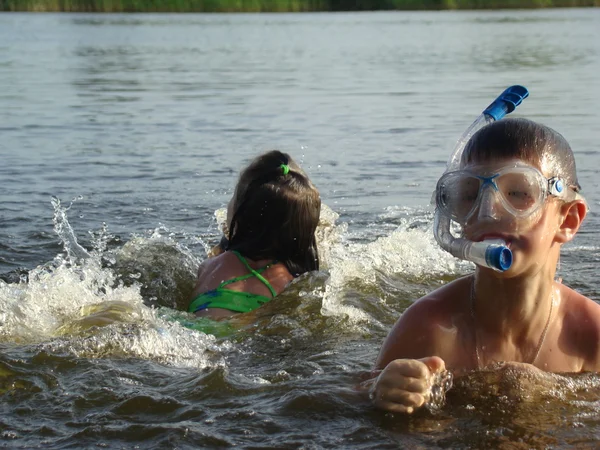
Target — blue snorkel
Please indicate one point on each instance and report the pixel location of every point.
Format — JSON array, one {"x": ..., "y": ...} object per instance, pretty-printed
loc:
[{"x": 490, "y": 253}]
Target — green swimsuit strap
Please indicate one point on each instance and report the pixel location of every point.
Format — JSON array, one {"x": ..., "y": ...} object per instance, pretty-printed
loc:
[{"x": 253, "y": 273}]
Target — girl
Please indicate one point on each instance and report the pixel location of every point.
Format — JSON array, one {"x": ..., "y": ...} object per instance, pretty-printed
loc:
[
  {"x": 271, "y": 222},
  {"x": 517, "y": 183}
]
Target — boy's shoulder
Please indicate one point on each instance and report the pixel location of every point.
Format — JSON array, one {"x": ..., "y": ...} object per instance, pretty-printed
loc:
[
  {"x": 581, "y": 326},
  {"x": 424, "y": 328},
  {"x": 439, "y": 309},
  {"x": 579, "y": 308},
  {"x": 442, "y": 301}
]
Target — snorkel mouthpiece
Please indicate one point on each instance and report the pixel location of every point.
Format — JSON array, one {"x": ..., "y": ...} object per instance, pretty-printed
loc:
[{"x": 494, "y": 253}]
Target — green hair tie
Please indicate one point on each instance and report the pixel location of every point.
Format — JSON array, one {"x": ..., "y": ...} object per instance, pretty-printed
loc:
[{"x": 285, "y": 169}]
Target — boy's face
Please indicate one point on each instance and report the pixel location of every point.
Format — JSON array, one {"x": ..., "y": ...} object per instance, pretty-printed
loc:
[{"x": 529, "y": 236}]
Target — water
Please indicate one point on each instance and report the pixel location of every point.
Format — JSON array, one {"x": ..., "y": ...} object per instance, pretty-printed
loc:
[{"x": 121, "y": 136}]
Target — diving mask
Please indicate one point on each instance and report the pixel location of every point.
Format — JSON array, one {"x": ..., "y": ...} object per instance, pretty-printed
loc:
[{"x": 521, "y": 190}]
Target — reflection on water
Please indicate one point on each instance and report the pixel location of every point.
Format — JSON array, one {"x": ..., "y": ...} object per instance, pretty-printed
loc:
[
  {"x": 509, "y": 407},
  {"x": 515, "y": 404},
  {"x": 145, "y": 120},
  {"x": 525, "y": 54}
]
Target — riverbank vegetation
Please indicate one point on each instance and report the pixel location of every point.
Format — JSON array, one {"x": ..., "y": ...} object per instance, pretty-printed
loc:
[{"x": 276, "y": 5}]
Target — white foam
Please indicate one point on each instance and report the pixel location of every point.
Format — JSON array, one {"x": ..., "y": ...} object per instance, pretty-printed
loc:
[
  {"x": 75, "y": 305},
  {"x": 408, "y": 251}
]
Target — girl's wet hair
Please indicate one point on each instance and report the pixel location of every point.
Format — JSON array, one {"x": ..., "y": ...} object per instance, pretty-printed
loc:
[
  {"x": 275, "y": 214},
  {"x": 528, "y": 141}
]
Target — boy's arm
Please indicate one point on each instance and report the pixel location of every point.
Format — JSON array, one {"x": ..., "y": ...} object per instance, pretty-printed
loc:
[
  {"x": 411, "y": 337},
  {"x": 586, "y": 319},
  {"x": 405, "y": 366}
]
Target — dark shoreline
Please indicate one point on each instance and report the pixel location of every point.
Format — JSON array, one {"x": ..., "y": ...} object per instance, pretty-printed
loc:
[{"x": 198, "y": 6}]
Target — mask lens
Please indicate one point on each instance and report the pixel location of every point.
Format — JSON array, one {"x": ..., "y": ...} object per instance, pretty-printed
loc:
[
  {"x": 457, "y": 195},
  {"x": 522, "y": 190}
]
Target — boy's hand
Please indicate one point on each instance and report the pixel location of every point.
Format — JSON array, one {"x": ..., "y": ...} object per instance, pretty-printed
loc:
[{"x": 405, "y": 384}]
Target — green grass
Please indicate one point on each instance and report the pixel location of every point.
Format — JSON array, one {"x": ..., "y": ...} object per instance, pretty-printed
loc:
[{"x": 275, "y": 5}]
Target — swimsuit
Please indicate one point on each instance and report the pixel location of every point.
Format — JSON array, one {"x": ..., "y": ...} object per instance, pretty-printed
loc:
[{"x": 237, "y": 301}]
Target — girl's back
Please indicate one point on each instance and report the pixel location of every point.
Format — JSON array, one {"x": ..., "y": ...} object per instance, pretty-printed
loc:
[{"x": 226, "y": 275}]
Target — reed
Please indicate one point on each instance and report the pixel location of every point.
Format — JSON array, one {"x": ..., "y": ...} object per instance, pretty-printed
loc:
[{"x": 109, "y": 6}]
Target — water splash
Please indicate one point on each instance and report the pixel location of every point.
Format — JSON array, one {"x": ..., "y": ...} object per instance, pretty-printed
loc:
[
  {"x": 101, "y": 302},
  {"x": 79, "y": 304},
  {"x": 441, "y": 383},
  {"x": 151, "y": 339},
  {"x": 164, "y": 269},
  {"x": 63, "y": 229},
  {"x": 33, "y": 311},
  {"x": 409, "y": 251}
]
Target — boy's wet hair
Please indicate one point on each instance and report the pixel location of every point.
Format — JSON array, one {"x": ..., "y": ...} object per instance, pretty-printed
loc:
[
  {"x": 275, "y": 214},
  {"x": 528, "y": 141}
]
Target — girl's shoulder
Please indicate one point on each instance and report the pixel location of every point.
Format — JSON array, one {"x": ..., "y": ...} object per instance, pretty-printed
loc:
[
  {"x": 279, "y": 276},
  {"x": 221, "y": 266}
]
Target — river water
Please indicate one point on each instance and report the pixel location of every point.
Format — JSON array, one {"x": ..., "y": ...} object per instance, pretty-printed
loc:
[{"x": 120, "y": 140}]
